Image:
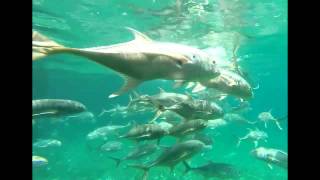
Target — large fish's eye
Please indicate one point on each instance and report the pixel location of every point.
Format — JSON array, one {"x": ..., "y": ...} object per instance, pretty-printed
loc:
[{"x": 213, "y": 62}]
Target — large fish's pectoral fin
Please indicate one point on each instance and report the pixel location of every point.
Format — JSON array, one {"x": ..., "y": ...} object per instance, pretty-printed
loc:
[
  {"x": 188, "y": 131},
  {"x": 161, "y": 90},
  {"x": 183, "y": 155},
  {"x": 129, "y": 83},
  {"x": 139, "y": 36},
  {"x": 44, "y": 114},
  {"x": 270, "y": 166},
  {"x": 156, "y": 116}
]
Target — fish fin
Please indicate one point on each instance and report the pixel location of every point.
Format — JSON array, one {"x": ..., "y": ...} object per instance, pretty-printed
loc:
[
  {"x": 238, "y": 143},
  {"x": 166, "y": 148},
  {"x": 162, "y": 90},
  {"x": 183, "y": 155},
  {"x": 129, "y": 83},
  {"x": 43, "y": 46},
  {"x": 142, "y": 167},
  {"x": 187, "y": 167},
  {"x": 144, "y": 135},
  {"x": 44, "y": 113},
  {"x": 178, "y": 83},
  {"x": 273, "y": 159},
  {"x": 128, "y": 124},
  {"x": 135, "y": 94},
  {"x": 222, "y": 97},
  {"x": 190, "y": 85},
  {"x": 199, "y": 87},
  {"x": 156, "y": 116},
  {"x": 278, "y": 125},
  {"x": 270, "y": 166},
  {"x": 139, "y": 36},
  {"x": 117, "y": 160},
  {"x": 257, "y": 87}
]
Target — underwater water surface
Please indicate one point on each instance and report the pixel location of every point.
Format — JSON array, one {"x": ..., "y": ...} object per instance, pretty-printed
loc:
[{"x": 257, "y": 27}]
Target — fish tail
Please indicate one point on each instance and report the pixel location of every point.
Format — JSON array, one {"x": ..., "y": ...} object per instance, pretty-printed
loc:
[
  {"x": 43, "y": 46},
  {"x": 117, "y": 160},
  {"x": 187, "y": 167},
  {"x": 142, "y": 167},
  {"x": 282, "y": 118}
]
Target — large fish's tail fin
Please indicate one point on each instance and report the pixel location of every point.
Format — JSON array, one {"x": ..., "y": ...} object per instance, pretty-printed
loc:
[
  {"x": 142, "y": 167},
  {"x": 187, "y": 167},
  {"x": 117, "y": 160},
  {"x": 43, "y": 46}
]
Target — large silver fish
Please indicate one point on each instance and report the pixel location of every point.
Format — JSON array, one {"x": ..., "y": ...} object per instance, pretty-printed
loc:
[
  {"x": 56, "y": 108},
  {"x": 139, "y": 60}
]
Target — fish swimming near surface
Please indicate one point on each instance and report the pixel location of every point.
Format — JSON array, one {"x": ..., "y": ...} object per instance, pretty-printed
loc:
[
  {"x": 174, "y": 155},
  {"x": 139, "y": 60},
  {"x": 56, "y": 108}
]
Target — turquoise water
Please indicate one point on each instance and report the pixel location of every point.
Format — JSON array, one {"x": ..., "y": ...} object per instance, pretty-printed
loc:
[{"x": 90, "y": 23}]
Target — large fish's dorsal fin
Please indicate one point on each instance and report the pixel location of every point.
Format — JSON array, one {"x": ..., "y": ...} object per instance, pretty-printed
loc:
[
  {"x": 138, "y": 36},
  {"x": 161, "y": 90},
  {"x": 135, "y": 94},
  {"x": 129, "y": 83}
]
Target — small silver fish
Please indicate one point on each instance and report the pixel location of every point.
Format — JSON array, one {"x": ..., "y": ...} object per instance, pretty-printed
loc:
[
  {"x": 45, "y": 143},
  {"x": 38, "y": 161}
]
